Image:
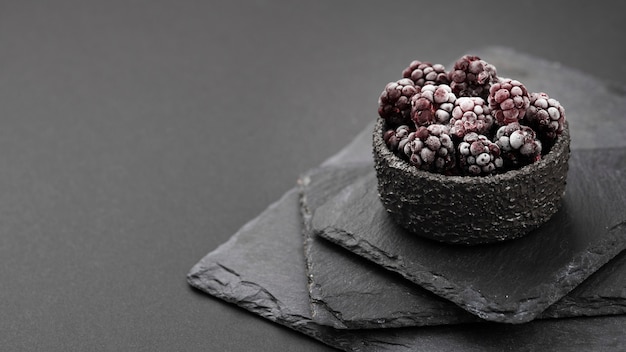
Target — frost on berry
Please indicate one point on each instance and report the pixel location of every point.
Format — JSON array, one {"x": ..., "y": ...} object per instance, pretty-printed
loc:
[
  {"x": 545, "y": 115},
  {"x": 467, "y": 121},
  {"x": 518, "y": 144},
  {"x": 423, "y": 73},
  {"x": 433, "y": 104},
  {"x": 508, "y": 101},
  {"x": 470, "y": 114},
  {"x": 430, "y": 148},
  {"x": 471, "y": 77},
  {"x": 394, "y": 137},
  {"x": 394, "y": 103},
  {"x": 477, "y": 155}
]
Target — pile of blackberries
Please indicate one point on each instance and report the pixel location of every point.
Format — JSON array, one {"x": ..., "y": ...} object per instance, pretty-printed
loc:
[{"x": 467, "y": 121}]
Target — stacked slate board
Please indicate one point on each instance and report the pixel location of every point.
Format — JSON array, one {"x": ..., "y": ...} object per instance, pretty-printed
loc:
[{"x": 327, "y": 261}]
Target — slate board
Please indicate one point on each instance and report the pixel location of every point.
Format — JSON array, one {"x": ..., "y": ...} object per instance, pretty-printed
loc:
[
  {"x": 262, "y": 269},
  {"x": 349, "y": 292},
  {"x": 512, "y": 281},
  {"x": 237, "y": 271},
  {"x": 583, "y": 96}
]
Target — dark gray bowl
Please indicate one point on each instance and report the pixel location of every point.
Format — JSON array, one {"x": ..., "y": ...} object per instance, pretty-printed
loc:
[{"x": 471, "y": 210}]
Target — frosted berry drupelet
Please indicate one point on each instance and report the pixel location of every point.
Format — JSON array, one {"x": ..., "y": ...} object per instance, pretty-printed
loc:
[
  {"x": 545, "y": 115},
  {"x": 433, "y": 104},
  {"x": 508, "y": 101},
  {"x": 430, "y": 148},
  {"x": 423, "y": 73},
  {"x": 394, "y": 103},
  {"x": 470, "y": 114},
  {"x": 519, "y": 145},
  {"x": 472, "y": 77},
  {"x": 478, "y": 156}
]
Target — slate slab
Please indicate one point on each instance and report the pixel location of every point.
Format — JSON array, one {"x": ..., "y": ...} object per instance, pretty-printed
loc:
[
  {"x": 261, "y": 268},
  {"x": 349, "y": 292},
  {"x": 512, "y": 281},
  {"x": 584, "y": 96},
  {"x": 247, "y": 271}
]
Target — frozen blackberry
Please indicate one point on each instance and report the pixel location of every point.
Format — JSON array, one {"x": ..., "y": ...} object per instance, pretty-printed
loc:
[
  {"x": 393, "y": 137},
  {"x": 423, "y": 73},
  {"x": 471, "y": 77},
  {"x": 431, "y": 148},
  {"x": 477, "y": 155},
  {"x": 508, "y": 100},
  {"x": 433, "y": 104},
  {"x": 545, "y": 115},
  {"x": 518, "y": 144},
  {"x": 470, "y": 114},
  {"x": 394, "y": 103}
]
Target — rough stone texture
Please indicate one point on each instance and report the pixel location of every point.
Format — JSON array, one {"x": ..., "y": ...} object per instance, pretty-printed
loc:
[
  {"x": 247, "y": 271},
  {"x": 603, "y": 293},
  {"x": 350, "y": 292},
  {"x": 470, "y": 209},
  {"x": 511, "y": 281},
  {"x": 262, "y": 269},
  {"x": 347, "y": 291}
]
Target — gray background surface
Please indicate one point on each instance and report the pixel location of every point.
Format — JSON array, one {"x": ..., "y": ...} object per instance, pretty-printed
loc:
[{"x": 136, "y": 136}]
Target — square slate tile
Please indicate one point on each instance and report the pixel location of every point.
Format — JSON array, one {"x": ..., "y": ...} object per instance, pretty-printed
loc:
[
  {"x": 247, "y": 272},
  {"x": 593, "y": 98},
  {"x": 513, "y": 281},
  {"x": 349, "y": 292}
]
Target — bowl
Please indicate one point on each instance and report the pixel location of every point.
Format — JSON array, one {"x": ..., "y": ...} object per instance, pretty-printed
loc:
[{"x": 471, "y": 210}]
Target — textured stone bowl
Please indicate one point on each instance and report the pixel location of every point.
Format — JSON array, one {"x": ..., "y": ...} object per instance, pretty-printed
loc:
[{"x": 471, "y": 210}]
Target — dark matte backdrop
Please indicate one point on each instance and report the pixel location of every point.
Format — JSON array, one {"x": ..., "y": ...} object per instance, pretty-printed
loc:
[{"x": 137, "y": 136}]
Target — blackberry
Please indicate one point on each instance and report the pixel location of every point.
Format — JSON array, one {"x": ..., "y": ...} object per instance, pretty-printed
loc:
[
  {"x": 471, "y": 77},
  {"x": 431, "y": 148},
  {"x": 508, "y": 100},
  {"x": 393, "y": 137},
  {"x": 470, "y": 114},
  {"x": 478, "y": 155},
  {"x": 518, "y": 144},
  {"x": 423, "y": 73},
  {"x": 433, "y": 104},
  {"x": 545, "y": 115},
  {"x": 394, "y": 103}
]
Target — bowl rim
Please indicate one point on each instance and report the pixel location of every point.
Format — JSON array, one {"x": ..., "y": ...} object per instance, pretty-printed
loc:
[{"x": 394, "y": 161}]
